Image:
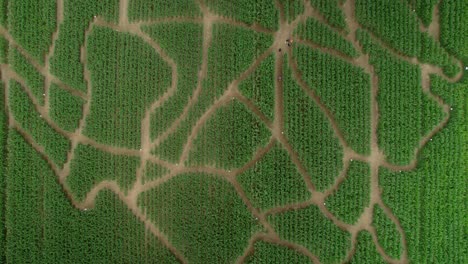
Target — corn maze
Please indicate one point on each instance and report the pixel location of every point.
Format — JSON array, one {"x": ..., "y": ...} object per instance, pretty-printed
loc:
[{"x": 218, "y": 131}]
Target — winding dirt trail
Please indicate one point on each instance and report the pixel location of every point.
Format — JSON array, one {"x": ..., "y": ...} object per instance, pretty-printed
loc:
[{"x": 376, "y": 159}]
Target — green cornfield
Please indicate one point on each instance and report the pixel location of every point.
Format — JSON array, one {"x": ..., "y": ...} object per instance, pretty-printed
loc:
[{"x": 234, "y": 131}]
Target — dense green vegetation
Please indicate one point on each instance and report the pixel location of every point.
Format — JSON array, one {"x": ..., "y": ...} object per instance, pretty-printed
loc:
[
  {"x": 227, "y": 44},
  {"x": 264, "y": 212},
  {"x": 406, "y": 112},
  {"x": 274, "y": 181},
  {"x": 325, "y": 36},
  {"x": 268, "y": 253},
  {"x": 331, "y": 12},
  {"x": 316, "y": 144},
  {"x": 123, "y": 62},
  {"x": 32, "y": 23},
  {"x": 343, "y": 88},
  {"x": 366, "y": 251},
  {"x": 91, "y": 166},
  {"x": 198, "y": 211},
  {"x": 183, "y": 43},
  {"x": 65, "y": 110},
  {"x": 34, "y": 80},
  {"x": 78, "y": 14},
  {"x": 430, "y": 202},
  {"x": 259, "y": 87},
  {"x": 247, "y": 11},
  {"x": 235, "y": 128},
  {"x": 398, "y": 26},
  {"x": 310, "y": 228},
  {"x": 43, "y": 227},
  {"x": 352, "y": 196},
  {"x": 148, "y": 9},
  {"x": 24, "y": 112}
]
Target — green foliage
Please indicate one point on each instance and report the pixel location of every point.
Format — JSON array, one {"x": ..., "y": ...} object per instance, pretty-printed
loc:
[
  {"x": 453, "y": 27},
  {"x": 183, "y": 43},
  {"x": 331, "y": 11},
  {"x": 154, "y": 171},
  {"x": 34, "y": 80},
  {"x": 65, "y": 109},
  {"x": 406, "y": 112},
  {"x": 268, "y": 253},
  {"x": 247, "y": 11},
  {"x": 31, "y": 23},
  {"x": 78, "y": 14},
  {"x": 3, "y": 170},
  {"x": 127, "y": 76},
  {"x": 310, "y": 134},
  {"x": 387, "y": 233},
  {"x": 423, "y": 9},
  {"x": 344, "y": 89},
  {"x": 353, "y": 194},
  {"x": 229, "y": 138},
  {"x": 398, "y": 26},
  {"x": 55, "y": 145},
  {"x": 259, "y": 87},
  {"x": 325, "y": 36},
  {"x": 91, "y": 166},
  {"x": 292, "y": 9},
  {"x": 202, "y": 216},
  {"x": 149, "y": 9},
  {"x": 366, "y": 251},
  {"x": 430, "y": 202},
  {"x": 274, "y": 181},
  {"x": 4, "y": 46},
  {"x": 43, "y": 227},
  {"x": 225, "y": 64},
  {"x": 310, "y": 228}
]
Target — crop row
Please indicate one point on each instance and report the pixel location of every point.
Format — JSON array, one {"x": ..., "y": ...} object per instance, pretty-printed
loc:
[
  {"x": 127, "y": 76},
  {"x": 323, "y": 35},
  {"x": 34, "y": 80},
  {"x": 310, "y": 134},
  {"x": 31, "y": 23},
  {"x": 453, "y": 28},
  {"x": 353, "y": 195},
  {"x": 423, "y": 9},
  {"x": 398, "y": 26},
  {"x": 231, "y": 52},
  {"x": 247, "y": 11},
  {"x": 202, "y": 215},
  {"x": 66, "y": 110},
  {"x": 66, "y": 62},
  {"x": 149, "y": 9},
  {"x": 331, "y": 11},
  {"x": 44, "y": 227},
  {"x": 344, "y": 89},
  {"x": 183, "y": 43},
  {"x": 91, "y": 166},
  {"x": 406, "y": 113},
  {"x": 274, "y": 181},
  {"x": 259, "y": 87},
  {"x": 267, "y": 253},
  {"x": 55, "y": 145},
  {"x": 311, "y": 229},
  {"x": 229, "y": 138},
  {"x": 430, "y": 201},
  {"x": 366, "y": 251}
]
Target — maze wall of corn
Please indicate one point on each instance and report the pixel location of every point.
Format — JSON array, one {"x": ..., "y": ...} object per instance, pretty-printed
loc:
[{"x": 222, "y": 131}]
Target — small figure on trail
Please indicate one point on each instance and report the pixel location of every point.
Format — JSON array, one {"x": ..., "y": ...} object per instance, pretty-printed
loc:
[
  {"x": 280, "y": 78},
  {"x": 279, "y": 50},
  {"x": 289, "y": 42}
]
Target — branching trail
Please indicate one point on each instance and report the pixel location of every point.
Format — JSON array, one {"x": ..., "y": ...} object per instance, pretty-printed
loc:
[{"x": 376, "y": 159}]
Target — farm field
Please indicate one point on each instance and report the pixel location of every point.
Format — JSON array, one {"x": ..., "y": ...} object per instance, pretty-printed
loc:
[{"x": 219, "y": 131}]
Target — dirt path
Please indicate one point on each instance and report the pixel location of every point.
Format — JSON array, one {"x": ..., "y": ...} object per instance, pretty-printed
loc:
[{"x": 376, "y": 159}]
